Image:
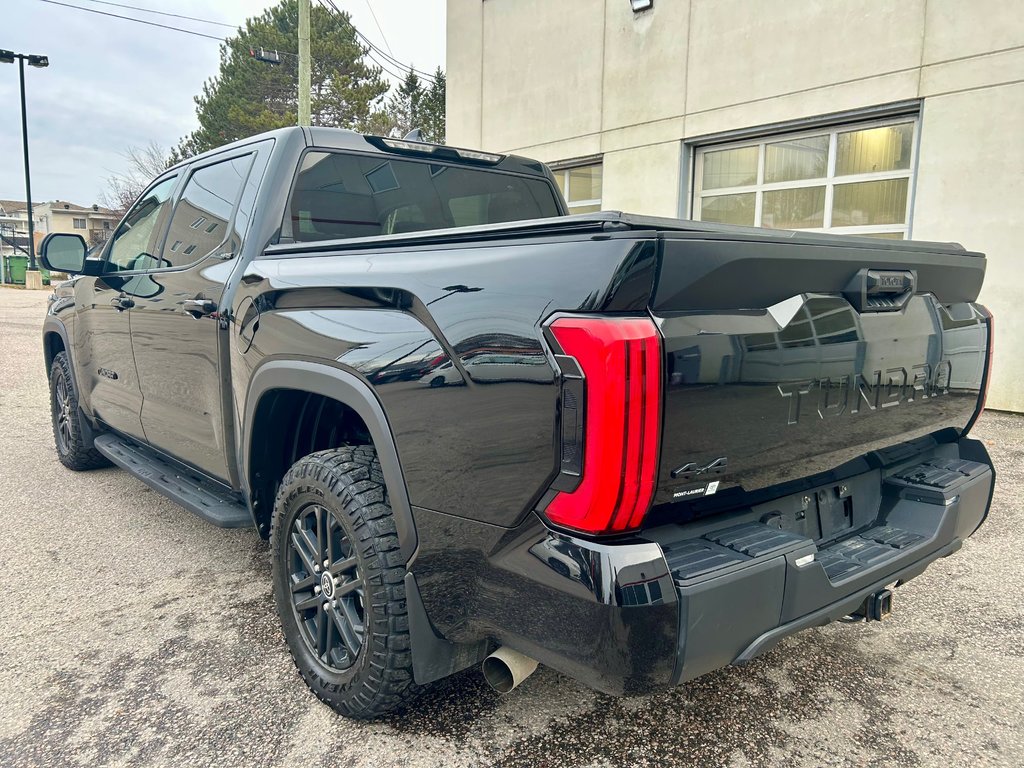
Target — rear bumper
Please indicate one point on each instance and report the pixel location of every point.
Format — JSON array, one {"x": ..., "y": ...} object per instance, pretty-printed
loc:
[{"x": 643, "y": 616}]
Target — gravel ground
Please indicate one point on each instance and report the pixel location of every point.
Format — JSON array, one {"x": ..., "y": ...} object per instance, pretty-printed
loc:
[{"x": 135, "y": 634}]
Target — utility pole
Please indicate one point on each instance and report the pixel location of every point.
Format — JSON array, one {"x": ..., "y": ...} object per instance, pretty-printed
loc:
[{"x": 304, "y": 62}]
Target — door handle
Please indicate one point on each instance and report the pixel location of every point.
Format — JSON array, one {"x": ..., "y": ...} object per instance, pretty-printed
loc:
[
  {"x": 198, "y": 307},
  {"x": 122, "y": 302}
]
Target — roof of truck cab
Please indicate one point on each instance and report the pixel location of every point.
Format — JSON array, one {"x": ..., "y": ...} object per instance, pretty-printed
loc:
[{"x": 344, "y": 139}]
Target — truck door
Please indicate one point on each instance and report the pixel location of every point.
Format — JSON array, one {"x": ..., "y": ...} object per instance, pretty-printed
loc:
[
  {"x": 103, "y": 349},
  {"x": 179, "y": 326}
]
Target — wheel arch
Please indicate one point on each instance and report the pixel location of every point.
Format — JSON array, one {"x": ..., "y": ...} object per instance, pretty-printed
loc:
[
  {"x": 55, "y": 341},
  {"x": 354, "y": 394}
]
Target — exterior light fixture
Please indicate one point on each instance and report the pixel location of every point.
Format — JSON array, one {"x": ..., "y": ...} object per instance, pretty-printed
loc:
[{"x": 641, "y": 5}]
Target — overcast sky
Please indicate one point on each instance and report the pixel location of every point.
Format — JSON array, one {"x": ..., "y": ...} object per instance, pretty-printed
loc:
[{"x": 113, "y": 83}]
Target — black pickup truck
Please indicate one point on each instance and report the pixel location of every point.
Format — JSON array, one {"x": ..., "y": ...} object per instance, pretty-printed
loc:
[{"x": 477, "y": 429}]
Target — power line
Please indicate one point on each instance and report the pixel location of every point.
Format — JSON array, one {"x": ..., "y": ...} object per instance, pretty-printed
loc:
[
  {"x": 379, "y": 29},
  {"x": 153, "y": 23},
  {"x": 163, "y": 13},
  {"x": 386, "y": 65},
  {"x": 390, "y": 59},
  {"x": 138, "y": 21}
]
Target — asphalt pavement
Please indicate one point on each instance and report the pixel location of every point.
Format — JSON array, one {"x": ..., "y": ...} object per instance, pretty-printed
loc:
[{"x": 133, "y": 633}]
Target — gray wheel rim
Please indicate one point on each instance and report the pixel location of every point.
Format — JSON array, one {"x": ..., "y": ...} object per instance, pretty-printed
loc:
[
  {"x": 326, "y": 587},
  {"x": 62, "y": 406}
]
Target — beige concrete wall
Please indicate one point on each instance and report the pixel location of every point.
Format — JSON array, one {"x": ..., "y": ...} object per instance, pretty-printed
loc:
[
  {"x": 577, "y": 78},
  {"x": 970, "y": 188}
]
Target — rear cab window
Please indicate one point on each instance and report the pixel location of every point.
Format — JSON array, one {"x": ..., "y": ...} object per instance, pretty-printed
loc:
[{"x": 344, "y": 195}]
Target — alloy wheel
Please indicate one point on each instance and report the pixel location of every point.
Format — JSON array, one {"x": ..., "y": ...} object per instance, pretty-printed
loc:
[
  {"x": 62, "y": 401},
  {"x": 326, "y": 587}
]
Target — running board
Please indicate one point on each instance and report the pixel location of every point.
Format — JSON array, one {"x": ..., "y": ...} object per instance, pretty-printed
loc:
[{"x": 214, "y": 504}]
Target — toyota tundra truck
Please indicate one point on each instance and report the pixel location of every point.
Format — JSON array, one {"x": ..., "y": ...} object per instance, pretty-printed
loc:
[{"x": 479, "y": 431}]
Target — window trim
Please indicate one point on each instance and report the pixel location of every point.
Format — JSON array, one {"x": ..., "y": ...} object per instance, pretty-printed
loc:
[
  {"x": 830, "y": 181},
  {"x": 562, "y": 168}
]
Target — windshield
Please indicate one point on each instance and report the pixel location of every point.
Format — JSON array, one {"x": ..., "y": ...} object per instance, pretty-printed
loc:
[{"x": 344, "y": 195}]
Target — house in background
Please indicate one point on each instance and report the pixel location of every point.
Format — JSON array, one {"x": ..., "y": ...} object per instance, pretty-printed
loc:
[
  {"x": 897, "y": 119},
  {"x": 95, "y": 223},
  {"x": 14, "y": 227}
]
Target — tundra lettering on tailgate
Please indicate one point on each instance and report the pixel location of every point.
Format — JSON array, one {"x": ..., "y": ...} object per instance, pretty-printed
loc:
[{"x": 855, "y": 393}]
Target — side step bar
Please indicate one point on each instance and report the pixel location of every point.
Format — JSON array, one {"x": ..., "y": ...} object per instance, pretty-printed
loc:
[{"x": 214, "y": 504}]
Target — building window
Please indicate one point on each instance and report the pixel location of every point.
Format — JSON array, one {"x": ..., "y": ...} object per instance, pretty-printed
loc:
[
  {"x": 852, "y": 179},
  {"x": 581, "y": 187},
  {"x": 106, "y": 225},
  {"x": 79, "y": 223}
]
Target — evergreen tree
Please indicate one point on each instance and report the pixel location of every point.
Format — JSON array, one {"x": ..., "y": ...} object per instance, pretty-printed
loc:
[
  {"x": 249, "y": 96},
  {"x": 431, "y": 111},
  {"x": 414, "y": 105},
  {"x": 403, "y": 109}
]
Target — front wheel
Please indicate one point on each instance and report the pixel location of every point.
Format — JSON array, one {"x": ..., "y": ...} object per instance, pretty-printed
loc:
[
  {"x": 339, "y": 582},
  {"x": 74, "y": 447}
]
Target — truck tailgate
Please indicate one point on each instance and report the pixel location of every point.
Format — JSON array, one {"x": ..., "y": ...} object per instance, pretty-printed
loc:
[{"x": 784, "y": 360}]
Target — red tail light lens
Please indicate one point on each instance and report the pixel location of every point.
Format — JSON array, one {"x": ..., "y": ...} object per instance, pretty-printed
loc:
[{"x": 621, "y": 363}]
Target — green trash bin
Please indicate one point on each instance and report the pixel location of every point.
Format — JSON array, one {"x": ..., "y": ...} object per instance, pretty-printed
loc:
[{"x": 17, "y": 266}]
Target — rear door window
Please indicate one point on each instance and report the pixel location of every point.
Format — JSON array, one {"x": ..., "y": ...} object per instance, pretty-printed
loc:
[
  {"x": 340, "y": 195},
  {"x": 202, "y": 214}
]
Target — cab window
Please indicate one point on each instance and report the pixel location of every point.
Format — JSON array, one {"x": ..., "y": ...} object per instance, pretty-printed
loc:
[
  {"x": 340, "y": 195},
  {"x": 202, "y": 213},
  {"x": 135, "y": 240}
]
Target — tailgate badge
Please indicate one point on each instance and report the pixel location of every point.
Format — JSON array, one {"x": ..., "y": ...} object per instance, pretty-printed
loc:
[
  {"x": 696, "y": 490},
  {"x": 692, "y": 470}
]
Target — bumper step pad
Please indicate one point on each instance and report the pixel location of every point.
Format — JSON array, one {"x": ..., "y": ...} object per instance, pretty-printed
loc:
[
  {"x": 870, "y": 548},
  {"x": 719, "y": 549},
  {"x": 741, "y": 543},
  {"x": 936, "y": 481}
]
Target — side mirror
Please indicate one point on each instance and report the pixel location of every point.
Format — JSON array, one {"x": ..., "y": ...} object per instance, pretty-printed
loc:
[{"x": 63, "y": 252}]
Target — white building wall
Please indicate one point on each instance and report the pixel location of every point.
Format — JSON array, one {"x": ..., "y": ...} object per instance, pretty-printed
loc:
[{"x": 576, "y": 78}]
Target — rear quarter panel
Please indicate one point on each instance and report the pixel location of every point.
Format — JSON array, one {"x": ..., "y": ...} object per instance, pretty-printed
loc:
[{"x": 450, "y": 340}]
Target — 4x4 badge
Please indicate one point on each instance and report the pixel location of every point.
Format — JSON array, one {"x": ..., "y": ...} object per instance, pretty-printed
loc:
[{"x": 692, "y": 469}]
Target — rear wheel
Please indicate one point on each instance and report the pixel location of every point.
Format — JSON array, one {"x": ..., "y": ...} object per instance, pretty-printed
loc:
[
  {"x": 74, "y": 446},
  {"x": 339, "y": 582}
]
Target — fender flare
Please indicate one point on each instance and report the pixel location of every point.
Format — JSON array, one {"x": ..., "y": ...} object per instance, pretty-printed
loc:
[
  {"x": 347, "y": 388},
  {"x": 53, "y": 325},
  {"x": 86, "y": 421}
]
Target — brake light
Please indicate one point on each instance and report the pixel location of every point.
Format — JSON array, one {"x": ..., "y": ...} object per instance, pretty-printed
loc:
[{"x": 620, "y": 359}]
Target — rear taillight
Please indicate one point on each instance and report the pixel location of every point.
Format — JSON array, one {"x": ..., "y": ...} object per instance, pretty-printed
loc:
[{"x": 619, "y": 428}]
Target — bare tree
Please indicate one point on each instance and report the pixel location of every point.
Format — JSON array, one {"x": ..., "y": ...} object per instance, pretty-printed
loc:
[{"x": 143, "y": 165}]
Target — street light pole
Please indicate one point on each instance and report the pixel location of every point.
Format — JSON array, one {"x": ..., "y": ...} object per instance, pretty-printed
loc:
[
  {"x": 34, "y": 60},
  {"x": 28, "y": 177}
]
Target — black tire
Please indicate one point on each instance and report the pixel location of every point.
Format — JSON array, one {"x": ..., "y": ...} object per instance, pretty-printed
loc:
[
  {"x": 70, "y": 435},
  {"x": 343, "y": 490}
]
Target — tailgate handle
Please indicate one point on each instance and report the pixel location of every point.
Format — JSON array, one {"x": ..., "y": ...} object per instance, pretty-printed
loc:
[{"x": 881, "y": 290}]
